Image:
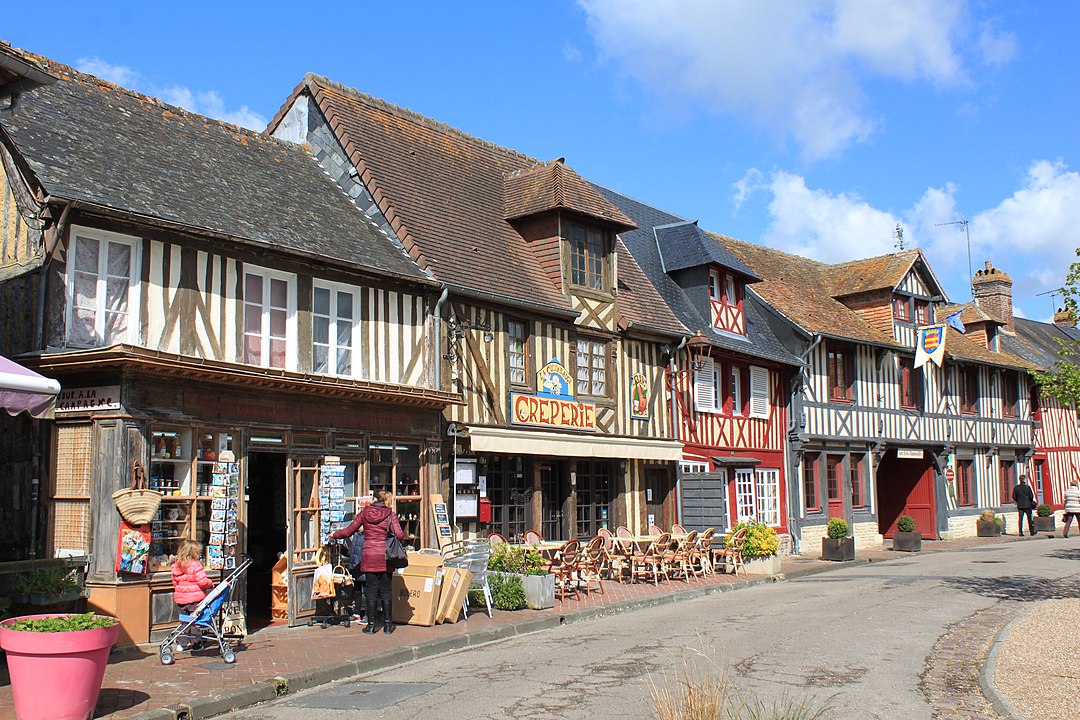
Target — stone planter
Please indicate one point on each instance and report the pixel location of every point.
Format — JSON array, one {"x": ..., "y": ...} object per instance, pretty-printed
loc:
[
  {"x": 539, "y": 589},
  {"x": 43, "y": 599},
  {"x": 1045, "y": 524},
  {"x": 989, "y": 528},
  {"x": 838, "y": 550},
  {"x": 768, "y": 565},
  {"x": 907, "y": 541}
]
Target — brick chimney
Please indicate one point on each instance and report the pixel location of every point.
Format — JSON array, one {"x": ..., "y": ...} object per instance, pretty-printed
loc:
[
  {"x": 992, "y": 290},
  {"x": 1064, "y": 318}
]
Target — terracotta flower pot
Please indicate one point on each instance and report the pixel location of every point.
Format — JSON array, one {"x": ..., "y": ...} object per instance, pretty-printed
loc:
[{"x": 56, "y": 675}]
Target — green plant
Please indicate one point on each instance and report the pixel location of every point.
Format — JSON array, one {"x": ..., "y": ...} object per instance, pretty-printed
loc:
[
  {"x": 987, "y": 516},
  {"x": 507, "y": 592},
  {"x": 905, "y": 524},
  {"x": 838, "y": 528},
  {"x": 999, "y": 519},
  {"x": 64, "y": 623},
  {"x": 50, "y": 581},
  {"x": 761, "y": 540},
  {"x": 511, "y": 559},
  {"x": 1044, "y": 510}
]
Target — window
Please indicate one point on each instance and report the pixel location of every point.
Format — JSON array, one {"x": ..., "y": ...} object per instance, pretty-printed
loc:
[
  {"x": 810, "y": 482},
  {"x": 593, "y": 493},
  {"x": 1010, "y": 391},
  {"x": 509, "y": 488},
  {"x": 1040, "y": 488},
  {"x": 735, "y": 391},
  {"x": 759, "y": 392},
  {"x": 964, "y": 495},
  {"x": 832, "y": 476},
  {"x": 587, "y": 257},
  {"x": 911, "y": 385},
  {"x": 858, "y": 486},
  {"x": 768, "y": 497},
  {"x": 714, "y": 286},
  {"x": 333, "y": 331},
  {"x": 969, "y": 390},
  {"x": 730, "y": 296},
  {"x": 1007, "y": 480},
  {"x": 922, "y": 312},
  {"x": 69, "y": 509},
  {"x": 1035, "y": 401},
  {"x": 708, "y": 387},
  {"x": 103, "y": 287},
  {"x": 517, "y": 352},
  {"x": 744, "y": 494},
  {"x": 591, "y": 367},
  {"x": 841, "y": 366},
  {"x": 269, "y": 316},
  {"x": 901, "y": 307}
]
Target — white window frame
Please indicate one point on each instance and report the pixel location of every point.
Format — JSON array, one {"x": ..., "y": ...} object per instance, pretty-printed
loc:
[
  {"x": 515, "y": 347},
  {"x": 594, "y": 349},
  {"x": 104, "y": 237},
  {"x": 745, "y": 500},
  {"x": 736, "y": 391},
  {"x": 290, "y": 320},
  {"x": 729, "y": 290},
  {"x": 767, "y": 501},
  {"x": 759, "y": 392},
  {"x": 708, "y": 387},
  {"x": 715, "y": 293},
  {"x": 354, "y": 337}
]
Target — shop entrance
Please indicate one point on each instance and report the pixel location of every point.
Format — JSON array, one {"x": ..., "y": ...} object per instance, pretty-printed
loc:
[
  {"x": 265, "y": 528},
  {"x": 906, "y": 487},
  {"x": 553, "y": 500},
  {"x": 659, "y": 508}
]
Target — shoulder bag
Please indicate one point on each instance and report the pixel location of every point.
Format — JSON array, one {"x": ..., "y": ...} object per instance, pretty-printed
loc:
[{"x": 396, "y": 557}]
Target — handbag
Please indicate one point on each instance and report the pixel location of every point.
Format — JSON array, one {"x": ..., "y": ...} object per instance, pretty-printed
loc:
[
  {"x": 137, "y": 504},
  {"x": 396, "y": 557}
]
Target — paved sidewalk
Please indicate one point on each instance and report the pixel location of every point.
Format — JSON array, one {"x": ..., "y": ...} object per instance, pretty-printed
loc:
[{"x": 275, "y": 660}]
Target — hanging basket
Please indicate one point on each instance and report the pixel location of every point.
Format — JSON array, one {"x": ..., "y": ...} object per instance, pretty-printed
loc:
[{"x": 137, "y": 504}]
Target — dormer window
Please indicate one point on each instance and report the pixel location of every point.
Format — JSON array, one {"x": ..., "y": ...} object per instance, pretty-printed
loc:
[
  {"x": 726, "y": 302},
  {"x": 901, "y": 308},
  {"x": 922, "y": 312},
  {"x": 587, "y": 257}
]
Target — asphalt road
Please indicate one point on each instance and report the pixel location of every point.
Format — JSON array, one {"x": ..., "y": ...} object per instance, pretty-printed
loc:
[{"x": 859, "y": 638}]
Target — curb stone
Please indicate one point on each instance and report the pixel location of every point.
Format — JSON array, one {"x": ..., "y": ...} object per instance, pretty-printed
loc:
[{"x": 1002, "y": 705}]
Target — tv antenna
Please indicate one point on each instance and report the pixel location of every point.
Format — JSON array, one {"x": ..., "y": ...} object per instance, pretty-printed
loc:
[
  {"x": 964, "y": 221},
  {"x": 1053, "y": 294},
  {"x": 898, "y": 233}
]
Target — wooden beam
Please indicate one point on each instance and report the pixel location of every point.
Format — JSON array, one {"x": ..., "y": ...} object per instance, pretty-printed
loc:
[{"x": 485, "y": 374}]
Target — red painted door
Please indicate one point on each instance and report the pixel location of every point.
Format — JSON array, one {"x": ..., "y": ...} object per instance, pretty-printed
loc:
[
  {"x": 920, "y": 505},
  {"x": 834, "y": 486},
  {"x": 907, "y": 487}
]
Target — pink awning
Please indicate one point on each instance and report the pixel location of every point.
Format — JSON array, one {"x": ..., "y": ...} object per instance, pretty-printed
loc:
[{"x": 22, "y": 389}]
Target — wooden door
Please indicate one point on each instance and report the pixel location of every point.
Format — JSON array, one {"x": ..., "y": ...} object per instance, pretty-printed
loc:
[
  {"x": 553, "y": 498},
  {"x": 834, "y": 485},
  {"x": 659, "y": 498},
  {"x": 907, "y": 487},
  {"x": 302, "y": 501}
]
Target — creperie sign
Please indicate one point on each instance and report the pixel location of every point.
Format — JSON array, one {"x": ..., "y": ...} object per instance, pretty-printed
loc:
[{"x": 541, "y": 411}]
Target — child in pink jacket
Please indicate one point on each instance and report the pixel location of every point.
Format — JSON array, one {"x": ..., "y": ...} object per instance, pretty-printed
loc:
[{"x": 190, "y": 582}]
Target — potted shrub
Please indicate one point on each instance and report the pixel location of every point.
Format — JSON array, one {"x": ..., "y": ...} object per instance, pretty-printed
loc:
[
  {"x": 759, "y": 549},
  {"x": 838, "y": 546},
  {"x": 48, "y": 585},
  {"x": 530, "y": 568},
  {"x": 507, "y": 592},
  {"x": 57, "y": 662},
  {"x": 1044, "y": 519},
  {"x": 990, "y": 524},
  {"x": 905, "y": 539}
]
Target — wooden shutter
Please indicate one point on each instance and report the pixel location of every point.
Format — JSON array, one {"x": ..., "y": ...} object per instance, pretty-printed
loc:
[
  {"x": 704, "y": 390},
  {"x": 759, "y": 392}
]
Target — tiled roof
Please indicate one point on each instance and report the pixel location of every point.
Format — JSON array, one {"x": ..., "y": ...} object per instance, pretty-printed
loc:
[
  {"x": 962, "y": 347},
  {"x": 641, "y": 242},
  {"x": 445, "y": 194},
  {"x": 971, "y": 313},
  {"x": 685, "y": 245},
  {"x": 876, "y": 273},
  {"x": 1037, "y": 342},
  {"x": 91, "y": 141},
  {"x": 802, "y": 291},
  {"x": 554, "y": 186},
  {"x": 16, "y": 64}
]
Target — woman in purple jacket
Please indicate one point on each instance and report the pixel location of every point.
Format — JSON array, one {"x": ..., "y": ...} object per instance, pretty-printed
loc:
[{"x": 376, "y": 520}]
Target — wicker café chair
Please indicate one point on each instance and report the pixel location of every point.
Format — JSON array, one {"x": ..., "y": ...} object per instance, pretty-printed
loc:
[
  {"x": 591, "y": 565},
  {"x": 655, "y": 531},
  {"x": 565, "y": 569},
  {"x": 533, "y": 538},
  {"x": 652, "y": 561},
  {"x": 682, "y": 559},
  {"x": 678, "y": 529},
  {"x": 705, "y": 552},
  {"x": 731, "y": 554},
  {"x": 496, "y": 541}
]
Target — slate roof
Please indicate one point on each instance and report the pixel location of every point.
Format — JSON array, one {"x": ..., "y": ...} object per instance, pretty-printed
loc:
[
  {"x": 445, "y": 193},
  {"x": 20, "y": 71},
  {"x": 91, "y": 141},
  {"x": 1036, "y": 341},
  {"x": 641, "y": 242},
  {"x": 554, "y": 186},
  {"x": 685, "y": 245}
]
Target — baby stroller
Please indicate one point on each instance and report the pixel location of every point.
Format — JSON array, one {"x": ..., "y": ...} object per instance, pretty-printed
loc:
[{"x": 206, "y": 617}]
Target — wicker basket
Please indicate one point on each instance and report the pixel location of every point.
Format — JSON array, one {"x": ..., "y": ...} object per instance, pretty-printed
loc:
[{"x": 137, "y": 504}]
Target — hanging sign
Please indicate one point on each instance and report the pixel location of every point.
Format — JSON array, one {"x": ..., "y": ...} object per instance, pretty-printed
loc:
[
  {"x": 930, "y": 345},
  {"x": 553, "y": 405},
  {"x": 639, "y": 397},
  {"x": 908, "y": 454}
]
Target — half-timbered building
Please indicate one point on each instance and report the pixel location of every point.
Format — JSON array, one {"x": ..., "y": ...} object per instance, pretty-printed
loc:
[
  {"x": 221, "y": 314},
  {"x": 547, "y": 326},
  {"x": 728, "y": 385},
  {"x": 872, "y": 437}
]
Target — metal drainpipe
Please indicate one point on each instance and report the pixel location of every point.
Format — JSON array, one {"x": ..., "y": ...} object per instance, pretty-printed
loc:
[
  {"x": 438, "y": 336},
  {"x": 675, "y": 430},
  {"x": 797, "y": 541}
]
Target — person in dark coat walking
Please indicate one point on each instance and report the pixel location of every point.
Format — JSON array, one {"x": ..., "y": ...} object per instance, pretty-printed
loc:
[
  {"x": 356, "y": 554},
  {"x": 1024, "y": 498},
  {"x": 377, "y": 520}
]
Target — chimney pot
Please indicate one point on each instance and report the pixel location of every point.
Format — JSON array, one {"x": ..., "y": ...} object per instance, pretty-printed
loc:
[{"x": 989, "y": 266}]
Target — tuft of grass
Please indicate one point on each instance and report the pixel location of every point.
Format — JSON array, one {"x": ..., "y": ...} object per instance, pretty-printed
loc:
[{"x": 701, "y": 691}]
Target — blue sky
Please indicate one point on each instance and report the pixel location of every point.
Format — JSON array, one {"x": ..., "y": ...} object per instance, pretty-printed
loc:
[{"x": 812, "y": 126}]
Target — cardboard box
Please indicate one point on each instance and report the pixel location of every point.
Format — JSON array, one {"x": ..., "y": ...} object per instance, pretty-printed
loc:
[
  {"x": 416, "y": 596},
  {"x": 451, "y": 580},
  {"x": 453, "y": 607}
]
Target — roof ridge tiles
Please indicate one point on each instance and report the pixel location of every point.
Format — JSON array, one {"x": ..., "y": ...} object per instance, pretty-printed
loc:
[{"x": 410, "y": 115}]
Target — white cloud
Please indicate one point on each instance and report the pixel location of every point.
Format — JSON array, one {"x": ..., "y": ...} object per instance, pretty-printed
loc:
[
  {"x": 797, "y": 68},
  {"x": 204, "y": 102}
]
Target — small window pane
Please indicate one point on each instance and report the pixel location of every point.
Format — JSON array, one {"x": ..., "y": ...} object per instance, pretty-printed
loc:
[
  {"x": 320, "y": 330},
  {"x": 253, "y": 288},
  {"x": 277, "y": 353},
  {"x": 344, "y": 333},
  {"x": 86, "y": 255},
  {"x": 253, "y": 349},
  {"x": 345, "y": 306},
  {"x": 344, "y": 361},
  {"x": 277, "y": 323},
  {"x": 252, "y": 319},
  {"x": 321, "y": 304},
  {"x": 82, "y": 326},
  {"x": 320, "y": 355},
  {"x": 119, "y": 259},
  {"x": 279, "y": 293}
]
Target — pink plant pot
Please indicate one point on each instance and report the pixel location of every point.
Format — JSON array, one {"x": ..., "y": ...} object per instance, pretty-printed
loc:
[{"x": 56, "y": 675}]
